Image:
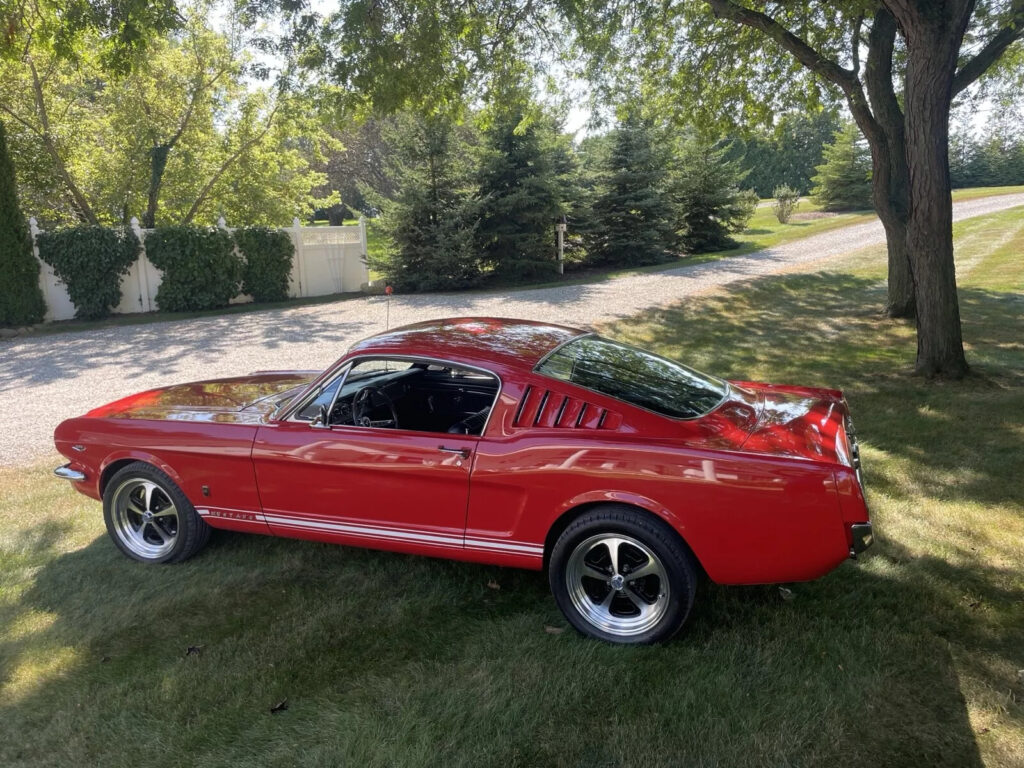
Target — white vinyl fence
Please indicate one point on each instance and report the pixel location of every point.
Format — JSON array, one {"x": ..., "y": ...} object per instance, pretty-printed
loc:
[{"x": 327, "y": 260}]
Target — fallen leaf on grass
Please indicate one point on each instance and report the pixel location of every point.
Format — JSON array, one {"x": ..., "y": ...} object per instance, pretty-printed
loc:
[
  {"x": 493, "y": 585},
  {"x": 281, "y": 706},
  {"x": 787, "y": 594},
  {"x": 553, "y": 630},
  {"x": 194, "y": 650}
]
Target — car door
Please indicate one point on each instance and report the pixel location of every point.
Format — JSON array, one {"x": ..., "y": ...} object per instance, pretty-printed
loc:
[{"x": 393, "y": 488}]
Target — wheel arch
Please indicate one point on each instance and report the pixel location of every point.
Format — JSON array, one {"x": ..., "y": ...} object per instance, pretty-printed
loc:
[
  {"x": 641, "y": 504},
  {"x": 116, "y": 462}
]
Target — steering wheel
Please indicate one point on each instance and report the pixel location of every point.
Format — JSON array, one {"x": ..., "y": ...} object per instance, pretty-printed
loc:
[{"x": 362, "y": 407}]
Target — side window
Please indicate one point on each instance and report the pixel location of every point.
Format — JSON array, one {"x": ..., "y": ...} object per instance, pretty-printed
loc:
[
  {"x": 423, "y": 396},
  {"x": 325, "y": 398}
]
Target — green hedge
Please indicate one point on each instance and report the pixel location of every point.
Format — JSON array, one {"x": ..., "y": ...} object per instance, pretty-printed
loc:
[
  {"x": 200, "y": 266},
  {"x": 90, "y": 261},
  {"x": 268, "y": 262}
]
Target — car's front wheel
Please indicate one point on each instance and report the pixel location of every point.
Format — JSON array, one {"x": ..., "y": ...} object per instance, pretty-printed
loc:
[
  {"x": 623, "y": 576},
  {"x": 149, "y": 518}
]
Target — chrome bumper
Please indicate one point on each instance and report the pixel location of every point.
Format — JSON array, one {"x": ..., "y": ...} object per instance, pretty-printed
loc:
[{"x": 67, "y": 473}]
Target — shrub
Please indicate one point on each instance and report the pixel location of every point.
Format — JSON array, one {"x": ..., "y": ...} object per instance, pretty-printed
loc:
[
  {"x": 90, "y": 261},
  {"x": 200, "y": 266},
  {"x": 21, "y": 301},
  {"x": 268, "y": 257},
  {"x": 787, "y": 200}
]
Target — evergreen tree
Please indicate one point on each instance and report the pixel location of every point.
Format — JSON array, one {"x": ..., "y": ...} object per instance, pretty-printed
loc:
[
  {"x": 632, "y": 210},
  {"x": 708, "y": 202},
  {"x": 519, "y": 198},
  {"x": 787, "y": 155},
  {"x": 21, "y": 301},
  {"x": 843, "y": 181},
  {"x": 429, "y": 222}
]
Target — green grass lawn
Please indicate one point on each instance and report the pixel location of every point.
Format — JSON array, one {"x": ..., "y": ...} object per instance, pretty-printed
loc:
[{"x": 910, "y": 657}]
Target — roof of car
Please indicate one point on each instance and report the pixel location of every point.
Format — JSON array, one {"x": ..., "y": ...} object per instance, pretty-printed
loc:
[{"x": 495, "y": 340}]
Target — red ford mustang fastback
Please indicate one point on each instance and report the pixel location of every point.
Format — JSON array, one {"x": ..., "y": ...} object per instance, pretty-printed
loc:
[{"x": 627, "y": 475}]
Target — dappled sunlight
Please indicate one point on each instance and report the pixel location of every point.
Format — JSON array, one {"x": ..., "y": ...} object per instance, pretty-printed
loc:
[
  {"x": 909, "y": 656},
  {"x": 36, "y": 668}
]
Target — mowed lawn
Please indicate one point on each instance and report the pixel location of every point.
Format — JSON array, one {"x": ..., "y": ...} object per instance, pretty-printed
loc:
[{"x": 913, "y": 656}]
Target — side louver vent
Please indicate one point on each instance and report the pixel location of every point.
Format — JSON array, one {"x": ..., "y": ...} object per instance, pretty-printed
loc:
[{"x": 544, "y": 408}]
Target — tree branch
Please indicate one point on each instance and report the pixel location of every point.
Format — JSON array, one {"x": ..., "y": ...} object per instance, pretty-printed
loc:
[
  {"x": 830, "y": 70},
  {"x": 84, "y": 209},
  {"x": 20, "y": 119},
  {"x": 205, "y": 191},
  {"x": 976, "y": 66},
  {"x": 855, "y": 44}
]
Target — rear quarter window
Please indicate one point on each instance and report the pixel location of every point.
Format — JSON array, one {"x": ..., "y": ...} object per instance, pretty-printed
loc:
[{"x": 635, "y": 376}]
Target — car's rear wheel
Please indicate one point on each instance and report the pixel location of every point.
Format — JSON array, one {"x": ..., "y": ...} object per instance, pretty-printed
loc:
[
  {"x": 149, "y": 518},
  {"x": 621, "y": 575}
]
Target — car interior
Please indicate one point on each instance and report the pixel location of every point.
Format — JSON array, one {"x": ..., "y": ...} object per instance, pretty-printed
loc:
[{"x": 403, "y": 394}]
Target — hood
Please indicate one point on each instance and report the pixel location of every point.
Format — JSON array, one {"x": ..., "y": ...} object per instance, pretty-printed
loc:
[
  {"x": 799, "y": 422},
  {"x": 241, "y": 398}
]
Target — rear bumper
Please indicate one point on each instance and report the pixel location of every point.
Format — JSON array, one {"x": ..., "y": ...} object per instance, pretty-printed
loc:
[
  {"x": 862, "y": 538},
  {"x": 67, "y": 473}
]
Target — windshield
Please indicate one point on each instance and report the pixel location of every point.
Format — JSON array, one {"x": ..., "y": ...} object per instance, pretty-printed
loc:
[{"x": 635, "y": 376}]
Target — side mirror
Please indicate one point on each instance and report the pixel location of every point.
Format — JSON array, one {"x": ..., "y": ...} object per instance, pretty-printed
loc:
[{"x": 320, "y": 421}]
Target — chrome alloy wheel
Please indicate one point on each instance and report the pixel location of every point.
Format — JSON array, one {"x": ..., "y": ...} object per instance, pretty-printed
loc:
[
  {"x": 617, "y": 584},
  {"x": 145, "y": 519}
]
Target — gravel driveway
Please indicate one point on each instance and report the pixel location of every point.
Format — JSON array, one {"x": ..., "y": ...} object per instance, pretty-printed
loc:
[{"x": 45, "y": 379}]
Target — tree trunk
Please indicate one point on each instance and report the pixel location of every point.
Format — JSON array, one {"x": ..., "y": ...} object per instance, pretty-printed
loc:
[
  {"x": 932, "y": 48},
  {"x": 891, "y": 177},
  {"x": 157, "y": 165},
  {"x": 889, "y": 180},
  {"x": 900, "y": 301}
]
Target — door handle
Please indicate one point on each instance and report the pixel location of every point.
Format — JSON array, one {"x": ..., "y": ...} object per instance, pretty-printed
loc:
[{"x": 463, "y": 452}]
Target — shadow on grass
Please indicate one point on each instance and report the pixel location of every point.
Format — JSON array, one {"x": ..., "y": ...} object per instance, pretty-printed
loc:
[
  {"x": 383, "y": 655},
  {"x": 389, "y": 659}
]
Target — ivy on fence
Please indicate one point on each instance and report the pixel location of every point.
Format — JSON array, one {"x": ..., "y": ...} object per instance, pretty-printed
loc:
[
  {"x": 268, "y": 262},
  {"x": 90, "y": 261},
  {"x": 200, "y": 266}
]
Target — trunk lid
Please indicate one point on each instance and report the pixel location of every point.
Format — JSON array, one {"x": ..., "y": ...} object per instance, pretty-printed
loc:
[{"x": 800, "y": 422}]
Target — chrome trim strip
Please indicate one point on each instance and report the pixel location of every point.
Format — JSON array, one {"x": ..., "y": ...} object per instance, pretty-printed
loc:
[
  {"x": 553, "y": 350},
  {"x": 66, "y": 473}
]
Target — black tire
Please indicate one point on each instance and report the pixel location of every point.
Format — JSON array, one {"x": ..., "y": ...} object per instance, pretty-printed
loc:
[
  {"x": 662, "y": 599},
  {"x": 173, "y": 531}
]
